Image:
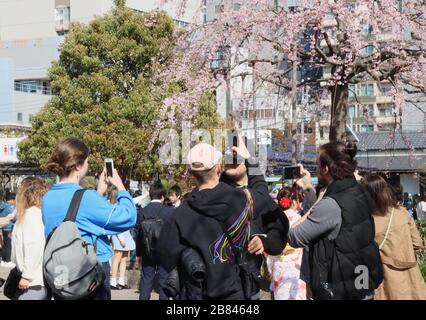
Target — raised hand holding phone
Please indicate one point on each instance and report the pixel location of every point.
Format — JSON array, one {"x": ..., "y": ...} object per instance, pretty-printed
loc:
[
  {"x": 109, "y": 165},
  {"x": 102, "y": 183},
  {"x": 115, "y": 180},
  {"x": 304, "y": 180},
  {"x": 240, "y": 148}
]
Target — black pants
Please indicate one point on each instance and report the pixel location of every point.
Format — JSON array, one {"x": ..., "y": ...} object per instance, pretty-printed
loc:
[
  {"x": 7, "y": 246},
  {"x": 148, "y": 271},
  {"x": 104, "y": 291}
]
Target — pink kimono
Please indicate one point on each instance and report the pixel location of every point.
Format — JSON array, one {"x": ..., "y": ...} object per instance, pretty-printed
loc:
[{"x": 285, "y": 269}]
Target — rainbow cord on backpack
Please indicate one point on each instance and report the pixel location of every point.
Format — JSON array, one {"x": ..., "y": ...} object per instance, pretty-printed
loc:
[{"x": 238, "y": 233}]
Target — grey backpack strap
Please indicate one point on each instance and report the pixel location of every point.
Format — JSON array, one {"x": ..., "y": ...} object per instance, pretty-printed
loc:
[{"x": 74, "y": 205}]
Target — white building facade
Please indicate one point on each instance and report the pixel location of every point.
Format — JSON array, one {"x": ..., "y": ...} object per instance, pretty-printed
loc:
[{"x": 30, "y": 35}]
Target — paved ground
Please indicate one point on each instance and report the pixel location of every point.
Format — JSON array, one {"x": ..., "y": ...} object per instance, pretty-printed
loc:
[{"x": 131, "y": 294}]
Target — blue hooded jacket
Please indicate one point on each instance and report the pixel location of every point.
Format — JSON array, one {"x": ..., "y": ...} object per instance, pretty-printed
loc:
[
  {"x": 96, "y": 217},
  {"x": 5, "y": 210}
]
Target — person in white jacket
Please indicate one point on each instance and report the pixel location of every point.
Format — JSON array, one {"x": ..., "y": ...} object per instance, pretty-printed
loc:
[
  {"x": 421, "y": 209},
  {"x": 28, "y": 239}
]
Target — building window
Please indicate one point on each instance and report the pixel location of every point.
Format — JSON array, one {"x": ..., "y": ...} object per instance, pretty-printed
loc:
[
  {"x": 369, "y": 110},
  {"x": 62, "y": 19},
  {"x": 33, "y": 86},
  {"x": 367, "y": 29},
  {"x": 368, "y": 50},
  {"x": 321, "y": 131},
  {"x": 276, "y": 4},
  {"x": 307, "y": 130},
  {"x": 385, "y": 110},
  {"x": 367, "y": 90},
  {"x": 30, "y": 118},
  {"x": 350, "y": 113},
  {"x": 219, "y": 8},
  {"x": 352, "y": 91},
  {"x": 386, "y": 88},
  {"x": 367, "y": 128},
  {"x": 26, "y": 86},
  {"x": 20, "y": 117}
]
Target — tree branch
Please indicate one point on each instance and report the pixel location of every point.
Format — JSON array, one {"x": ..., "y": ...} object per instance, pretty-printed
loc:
[{"x": 322, "y": 53}]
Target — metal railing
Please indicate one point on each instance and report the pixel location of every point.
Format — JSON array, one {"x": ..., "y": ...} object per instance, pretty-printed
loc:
[{"x": 33, "y": 88}]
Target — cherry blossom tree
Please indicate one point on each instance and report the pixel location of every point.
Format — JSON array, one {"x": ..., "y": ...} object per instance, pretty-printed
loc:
[{"x": 350, "y": 41}]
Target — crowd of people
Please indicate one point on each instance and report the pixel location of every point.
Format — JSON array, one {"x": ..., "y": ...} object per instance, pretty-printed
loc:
[{"x": 347, "y": 238}]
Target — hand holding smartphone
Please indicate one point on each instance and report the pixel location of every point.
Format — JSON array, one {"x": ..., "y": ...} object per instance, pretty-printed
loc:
[
  {"x": 291, "y": 173},
  {"x": 109, "y": 165},
  {"x": 112, "y": 175}
]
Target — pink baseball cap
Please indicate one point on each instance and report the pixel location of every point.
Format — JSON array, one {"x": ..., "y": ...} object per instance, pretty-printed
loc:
[{"x": 203, "y": 157}]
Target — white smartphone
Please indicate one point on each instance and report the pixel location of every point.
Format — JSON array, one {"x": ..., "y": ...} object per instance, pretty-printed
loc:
[{"x": 109, "y": 165}]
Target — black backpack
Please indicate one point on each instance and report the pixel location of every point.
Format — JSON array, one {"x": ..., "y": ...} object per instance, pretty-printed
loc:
[{"x": 150, "y": 233}]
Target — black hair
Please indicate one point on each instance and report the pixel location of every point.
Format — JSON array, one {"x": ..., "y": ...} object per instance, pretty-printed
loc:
[
  {"x": 397, "y": 191},
  {"x": 10, "y": 196},
  {"x": 340, "y": 159},
  {"x": 157, "y": 191},
  {"x": 176, "y": 190},
  {"x": 137, "y": 193}
]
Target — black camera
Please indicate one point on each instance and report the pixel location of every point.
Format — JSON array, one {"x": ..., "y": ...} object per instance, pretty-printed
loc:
[{"x": 290, "y": 173}]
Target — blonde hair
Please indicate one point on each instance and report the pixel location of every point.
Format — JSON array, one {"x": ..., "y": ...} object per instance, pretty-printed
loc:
[{"x": 30, "y": 194}]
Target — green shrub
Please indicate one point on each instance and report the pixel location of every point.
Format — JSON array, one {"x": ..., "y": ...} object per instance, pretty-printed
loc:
[{"x": 421, "y": 254}]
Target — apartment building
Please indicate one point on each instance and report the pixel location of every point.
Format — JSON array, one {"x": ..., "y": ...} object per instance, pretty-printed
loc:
[
  {"x": 371, "y": 105},
  {"x": 250, "y": 104},
  {"x": 30, "y": 35}
]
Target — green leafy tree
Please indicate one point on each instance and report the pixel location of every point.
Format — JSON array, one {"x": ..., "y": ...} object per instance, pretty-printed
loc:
[{"x": 105, "y": 91}]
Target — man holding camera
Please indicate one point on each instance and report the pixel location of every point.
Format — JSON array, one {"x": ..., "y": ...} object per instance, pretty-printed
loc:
[
  {"x": 270, "y": 222},
  {"x": 216, "y": 220}
]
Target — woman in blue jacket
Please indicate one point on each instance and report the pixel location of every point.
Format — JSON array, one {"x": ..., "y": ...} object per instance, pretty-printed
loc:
[{"x": 96, "y": 218}]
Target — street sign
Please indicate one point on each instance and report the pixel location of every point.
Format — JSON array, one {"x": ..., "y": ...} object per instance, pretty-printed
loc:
[{"x": 8, "y": 150}]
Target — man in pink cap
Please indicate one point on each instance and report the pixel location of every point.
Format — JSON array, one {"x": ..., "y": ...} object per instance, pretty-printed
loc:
[
  {"x": 215, "y": 220},
  {"x": 203, "y": 157}
]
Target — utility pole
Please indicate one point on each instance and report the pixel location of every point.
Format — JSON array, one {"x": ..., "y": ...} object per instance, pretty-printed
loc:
[
  {"x": 302, "y": 137},
  {"x": 305, "y": 103},
  {"x": 254, "y": 109},
  {"x": 228, "y": 97},
  {"x": 293, "y": 126}
]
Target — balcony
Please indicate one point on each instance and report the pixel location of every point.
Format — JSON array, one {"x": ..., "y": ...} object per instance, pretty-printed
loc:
[
  {"x": 62, "y": 26},
  {"x": 383, "y": 37},
  {"x": 385, "y": 120},
  {"x": 384, "y": 99}
]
